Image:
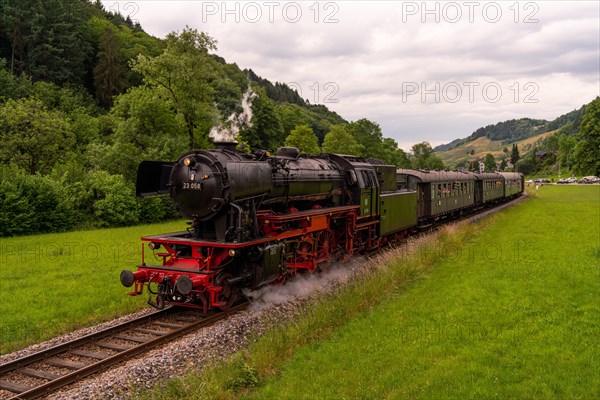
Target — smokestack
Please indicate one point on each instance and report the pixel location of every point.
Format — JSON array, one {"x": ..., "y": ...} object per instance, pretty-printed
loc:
[{"x": 231, "y": 146}]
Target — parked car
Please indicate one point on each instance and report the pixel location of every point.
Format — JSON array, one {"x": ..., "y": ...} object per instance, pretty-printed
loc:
[
  {"x": 589, "y": 180},
  {"x": 567, "y": 180}
]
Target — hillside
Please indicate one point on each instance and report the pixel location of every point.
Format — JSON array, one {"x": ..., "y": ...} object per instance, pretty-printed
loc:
[
  {"x": 478, "y": 148},
  {"x": 498, "y": 139},
  {"x": 516, "y": 130}
]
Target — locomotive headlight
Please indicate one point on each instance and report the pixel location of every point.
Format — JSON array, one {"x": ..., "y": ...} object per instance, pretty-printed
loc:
[
  {"x": 232, "y": 253},
  {"x": 189, "y": 162},
  {"x": 154, "y": 246}
]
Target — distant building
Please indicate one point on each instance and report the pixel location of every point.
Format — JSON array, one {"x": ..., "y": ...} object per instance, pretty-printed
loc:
[{"x": 541, "y": 154}]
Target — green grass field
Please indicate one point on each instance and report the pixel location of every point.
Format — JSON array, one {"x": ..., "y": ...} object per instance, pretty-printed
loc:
[
  {"x": 55, "y": 283},
  {"x": 505, "y": 308}
]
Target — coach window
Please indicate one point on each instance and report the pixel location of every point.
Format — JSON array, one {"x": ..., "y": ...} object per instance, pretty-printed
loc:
[{"x": 439, "y": 190}]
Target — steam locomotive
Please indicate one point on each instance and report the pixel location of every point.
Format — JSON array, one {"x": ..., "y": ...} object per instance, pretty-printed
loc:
[{"x": 260, "y": 218}]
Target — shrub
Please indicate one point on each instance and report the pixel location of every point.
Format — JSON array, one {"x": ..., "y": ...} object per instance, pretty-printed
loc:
[
  {"x": 114, "y": 200},
  {"x": 156, "y": 210},
  {"x": 33, "y": 204}
]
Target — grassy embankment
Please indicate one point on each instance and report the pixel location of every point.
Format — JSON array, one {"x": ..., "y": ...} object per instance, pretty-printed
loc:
[
  {"x": 504, "y": 308},
  {"x": 484, "y": 145},
  {"x": 55, "y": 283}
]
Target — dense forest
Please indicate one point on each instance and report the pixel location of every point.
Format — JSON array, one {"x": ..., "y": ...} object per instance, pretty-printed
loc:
[{"x": 86, "y": 94}]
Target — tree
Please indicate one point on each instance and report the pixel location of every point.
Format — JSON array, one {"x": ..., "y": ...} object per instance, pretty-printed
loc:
[
  {"x": 304, "y": 138},
  {"x": 394, "y": 155},
  {"x": 49, "y": 39},
  {"x": 528, "y": 164},
  {"x": 503, "y": 164},
  {"x": 434, "y": 162},
  {"x": 489, "y": 162},
  {"x": 110, "y": 74},
  {"x": 145, "y": 128},
  {"x": 8, "y": 82},
  {"x": 514, "y": 154},
  {"x": 420, "y": 152},
  {"x": 32, "y": 136},
  {"x": 566, "y": 147},
  {"x": 424, "y": 158},
  {"x": 266, "y": 132},
  {"x": 182, "y": 75},
  {"x": 13, "y": 21},
  {"x": 369, "y": 135},
  {"x": 587, "y": 151},
  {"x": 340, "y": 141}
]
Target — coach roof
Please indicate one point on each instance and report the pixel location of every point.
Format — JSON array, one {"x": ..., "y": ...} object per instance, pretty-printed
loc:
[
  {"x": 438, "y": 176},
  {"x": 489, "y": 175},
  {"x": 511, "y": 175}
]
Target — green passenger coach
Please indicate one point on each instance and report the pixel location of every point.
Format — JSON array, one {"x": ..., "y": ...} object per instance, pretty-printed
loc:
[{"x": 439, "y": 193}]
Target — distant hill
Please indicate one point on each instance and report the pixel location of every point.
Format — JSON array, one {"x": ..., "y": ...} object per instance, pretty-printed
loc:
[
  {"x": 525, "y": 132},
  {"x": 515, "y": 130},
  {"x": 478, "y": 148}
]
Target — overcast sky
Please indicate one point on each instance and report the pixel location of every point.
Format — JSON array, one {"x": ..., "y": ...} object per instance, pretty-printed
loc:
[{"x": 433, "y": 71}]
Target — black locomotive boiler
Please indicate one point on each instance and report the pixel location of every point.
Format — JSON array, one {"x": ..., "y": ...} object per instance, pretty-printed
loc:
[{"x": 255, "y": 219}]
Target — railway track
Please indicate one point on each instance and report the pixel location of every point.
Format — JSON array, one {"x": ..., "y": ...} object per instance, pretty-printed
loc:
[{"x": 41, "y": 373}]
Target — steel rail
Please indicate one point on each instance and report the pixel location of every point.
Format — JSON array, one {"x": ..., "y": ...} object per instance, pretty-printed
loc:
[{"x": 103, "y": 364}]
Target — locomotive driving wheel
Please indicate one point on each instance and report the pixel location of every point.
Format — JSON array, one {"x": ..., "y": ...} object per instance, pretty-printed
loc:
[
  {"x": 304, "y": 253},
  {"x": 229, "y": 293},
  {"x": 325, "y": 246}
]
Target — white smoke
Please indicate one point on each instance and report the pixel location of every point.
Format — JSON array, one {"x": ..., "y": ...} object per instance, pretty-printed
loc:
[
  {"x": 229, "y": 130},
  {"x": 304, "y": 285}
]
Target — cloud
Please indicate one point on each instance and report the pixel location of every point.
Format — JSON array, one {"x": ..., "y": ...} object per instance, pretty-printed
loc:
[{"x": 370, "y": 51}]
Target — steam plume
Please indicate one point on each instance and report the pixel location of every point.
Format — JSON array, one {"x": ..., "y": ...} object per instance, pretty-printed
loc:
[
  {"x": 228, "y": 131},
  {"x": 304, "y": 285}
]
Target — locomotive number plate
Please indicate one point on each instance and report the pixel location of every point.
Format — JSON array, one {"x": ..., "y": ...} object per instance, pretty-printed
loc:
[{"x": 192, "y": 185}]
